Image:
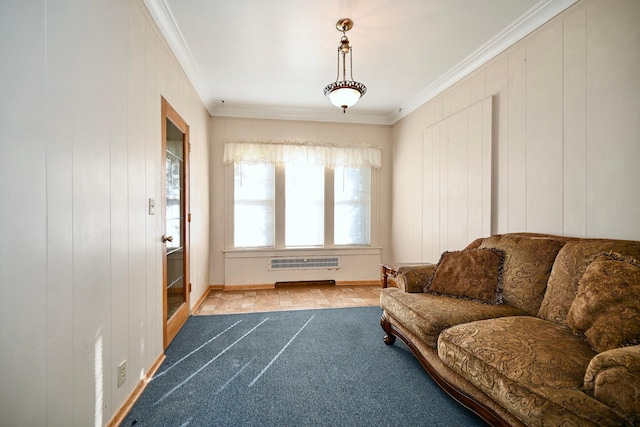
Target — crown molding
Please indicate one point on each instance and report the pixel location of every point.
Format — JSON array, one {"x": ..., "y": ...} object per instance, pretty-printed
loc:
[
  {"x": 531, "y": 20},
  {"x": 166, "y": 23},
  {"x": 301, "y": 114}
]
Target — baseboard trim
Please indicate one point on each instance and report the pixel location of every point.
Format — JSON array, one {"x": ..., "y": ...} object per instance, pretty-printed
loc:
[
  {"x": 253, "y": 287},
  {"x": 123, "y": 411},
  {"x": 358, "y": 283},
  {"x": 262, "y": 286},
  {"x": 202, "y": 299}
]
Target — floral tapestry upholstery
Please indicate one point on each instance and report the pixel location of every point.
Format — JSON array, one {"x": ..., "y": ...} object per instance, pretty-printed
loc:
[
  {"x": 427, "y": 315},
  {"x": 533, "y": 368},
  {"x": 570, "y": 265},
  {"x": 475, "y": 244},
  {"x": 607, "y": 307},
  {"x": 613, "y": 377},
  {"x": 527, "y": 265},
  {"x": 413, "y": 278},
  {"x": 474, "y": 274}
]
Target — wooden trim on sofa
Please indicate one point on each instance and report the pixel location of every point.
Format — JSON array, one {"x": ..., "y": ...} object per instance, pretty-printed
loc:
[{"x": 479, "y": 408}]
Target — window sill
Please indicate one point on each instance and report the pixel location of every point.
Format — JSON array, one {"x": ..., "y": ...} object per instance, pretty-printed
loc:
[{"x": 268, "y": 252}]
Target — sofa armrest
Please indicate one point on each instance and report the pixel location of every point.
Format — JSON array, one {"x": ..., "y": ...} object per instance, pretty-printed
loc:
[
  {"x": 412, "y": 278},
  {"x": 613, "y": 377}
]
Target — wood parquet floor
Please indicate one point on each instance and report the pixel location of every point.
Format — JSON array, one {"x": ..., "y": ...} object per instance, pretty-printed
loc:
[{"x": 289, "y": 298}]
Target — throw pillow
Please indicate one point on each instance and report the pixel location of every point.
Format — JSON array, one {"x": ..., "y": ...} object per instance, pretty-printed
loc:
[
  {"x": 607, "y": 307},
  {"x": 474, "y": 274}
]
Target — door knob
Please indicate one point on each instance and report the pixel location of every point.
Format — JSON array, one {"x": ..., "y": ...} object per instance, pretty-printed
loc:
[{"x": 166, "y": 239}]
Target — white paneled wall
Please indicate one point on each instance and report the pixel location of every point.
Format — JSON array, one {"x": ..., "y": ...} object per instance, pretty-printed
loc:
[
  {"x": 566, "y": 134},
  {"x": 80, "y": 262},
  {"x": 456, "y": 180}
]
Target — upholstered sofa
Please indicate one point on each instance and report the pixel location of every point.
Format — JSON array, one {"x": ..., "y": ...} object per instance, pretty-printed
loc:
[{"x": 527, "y": 329}]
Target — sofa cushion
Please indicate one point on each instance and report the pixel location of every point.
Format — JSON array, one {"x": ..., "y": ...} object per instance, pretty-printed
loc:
[
  {"x": 412, "y": 278},
  {"x": 427, "y": 315},
  {"x": 474, "y": 274},
  {"x": 613, "y": 377},
  {"x": 533, "y": 368},
  {"x": 570, "y": 265},
  {"x": 527, "y": 265},
  {"x": 607, "y": 307}
]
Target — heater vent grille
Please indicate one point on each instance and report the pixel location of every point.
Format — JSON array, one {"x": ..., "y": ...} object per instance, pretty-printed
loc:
[{"x": 300, "y": 263}]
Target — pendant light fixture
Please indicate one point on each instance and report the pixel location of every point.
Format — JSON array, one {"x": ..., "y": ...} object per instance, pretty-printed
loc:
[{"x": 344, "y": 93}]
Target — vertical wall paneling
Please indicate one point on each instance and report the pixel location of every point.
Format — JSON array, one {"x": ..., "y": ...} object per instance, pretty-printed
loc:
[
  {"x": 136, "y": 305},
  {"x": 478, "y": 90},
  {"x": 435, "y": 198},
  {"x": 406, "y": 210},
  {"x": 23, "y": 260},
  {"x": 487, "y": 173},
  {"x": 544, "y": 150},
  {"x": 415, "y": 184},
  {"x": 497, "y": 84},
  {"x": 574, "y": 125},
  {"x": 153, "y": 150},
  {"x": 613, "y": 128},
  {"x": 161, "y": 58},
  {"x": 119, "y": 200},
  {"x": 461, "y": 96},
  {"x": 81, "y": 273},
  {"x": 456, "y": 203},
  {"x": 517, "y": 136},
  {"x": 457, "y": 187},
  {"x": 427, "y": 194},
  {"x": 91, "y": 213},
  {"x": 59, "y": 323},
  {"x": 443, "y": 167},
  {"x": 565, "y": 130},
  {"x": 475, "y": 168}
]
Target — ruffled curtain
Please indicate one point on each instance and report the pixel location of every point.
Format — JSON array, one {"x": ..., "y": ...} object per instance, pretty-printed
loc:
[{"x": 310, "y": 153}]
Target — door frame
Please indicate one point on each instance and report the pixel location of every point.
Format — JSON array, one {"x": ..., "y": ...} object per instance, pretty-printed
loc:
[{"x": 170, "y": 327}]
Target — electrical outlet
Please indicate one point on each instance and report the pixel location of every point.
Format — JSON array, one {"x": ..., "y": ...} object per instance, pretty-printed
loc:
[{"x": 122, "y": 372}]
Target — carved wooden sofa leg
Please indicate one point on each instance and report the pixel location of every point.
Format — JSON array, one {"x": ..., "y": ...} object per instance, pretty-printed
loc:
[{"x": 388, "y": 339}]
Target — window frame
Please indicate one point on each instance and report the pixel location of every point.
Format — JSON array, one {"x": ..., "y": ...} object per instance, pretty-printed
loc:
[{"x": 280, "y": 212}]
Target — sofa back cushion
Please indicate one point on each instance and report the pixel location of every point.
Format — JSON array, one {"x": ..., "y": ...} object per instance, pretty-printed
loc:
[
  {"x": 527, "y": 265},
  {"x": 606, "y": 309},
  {"x": 571, "y": 263}
]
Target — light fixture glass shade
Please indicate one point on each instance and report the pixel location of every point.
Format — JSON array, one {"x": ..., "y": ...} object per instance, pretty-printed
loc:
[{"x": 345, "y": 93}]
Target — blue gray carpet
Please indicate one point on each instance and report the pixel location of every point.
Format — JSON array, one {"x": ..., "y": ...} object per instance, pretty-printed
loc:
[{"x": 295, "y": 368}]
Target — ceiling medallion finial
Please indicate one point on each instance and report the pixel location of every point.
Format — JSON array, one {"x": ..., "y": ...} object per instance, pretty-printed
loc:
[{"x": 344, "y": 93}]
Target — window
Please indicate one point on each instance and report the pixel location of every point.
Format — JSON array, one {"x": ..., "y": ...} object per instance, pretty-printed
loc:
[
  {"x": 302, "y": 205},
  {"x": 254, "y": 205},
  {"x": 352, "y": 206},
  {"x": 301, "y": 194}
]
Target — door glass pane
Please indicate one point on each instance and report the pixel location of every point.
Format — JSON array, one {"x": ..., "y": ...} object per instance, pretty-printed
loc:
[
  {"x": 176, "y": 294},
  {"x": 352, "y": 210},
  {"x": 304, "y": 205}
]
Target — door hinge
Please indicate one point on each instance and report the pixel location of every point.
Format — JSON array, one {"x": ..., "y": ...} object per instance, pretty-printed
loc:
[
  {"x": 189, "y": 217},
  {"x": 189, "y": 287},
  {"x": 189, "y": 147}
]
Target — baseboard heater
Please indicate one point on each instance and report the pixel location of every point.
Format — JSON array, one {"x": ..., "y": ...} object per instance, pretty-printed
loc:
[
  {"x": 306, "y": 283},
  {"x": 300, "y": 263}
]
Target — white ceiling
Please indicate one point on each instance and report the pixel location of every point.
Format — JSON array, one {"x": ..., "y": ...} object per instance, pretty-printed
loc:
[{"x": 272, "y": 58}]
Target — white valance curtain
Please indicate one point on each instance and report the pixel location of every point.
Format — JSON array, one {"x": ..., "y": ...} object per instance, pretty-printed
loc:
[{"x": 310, "y": 153}]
